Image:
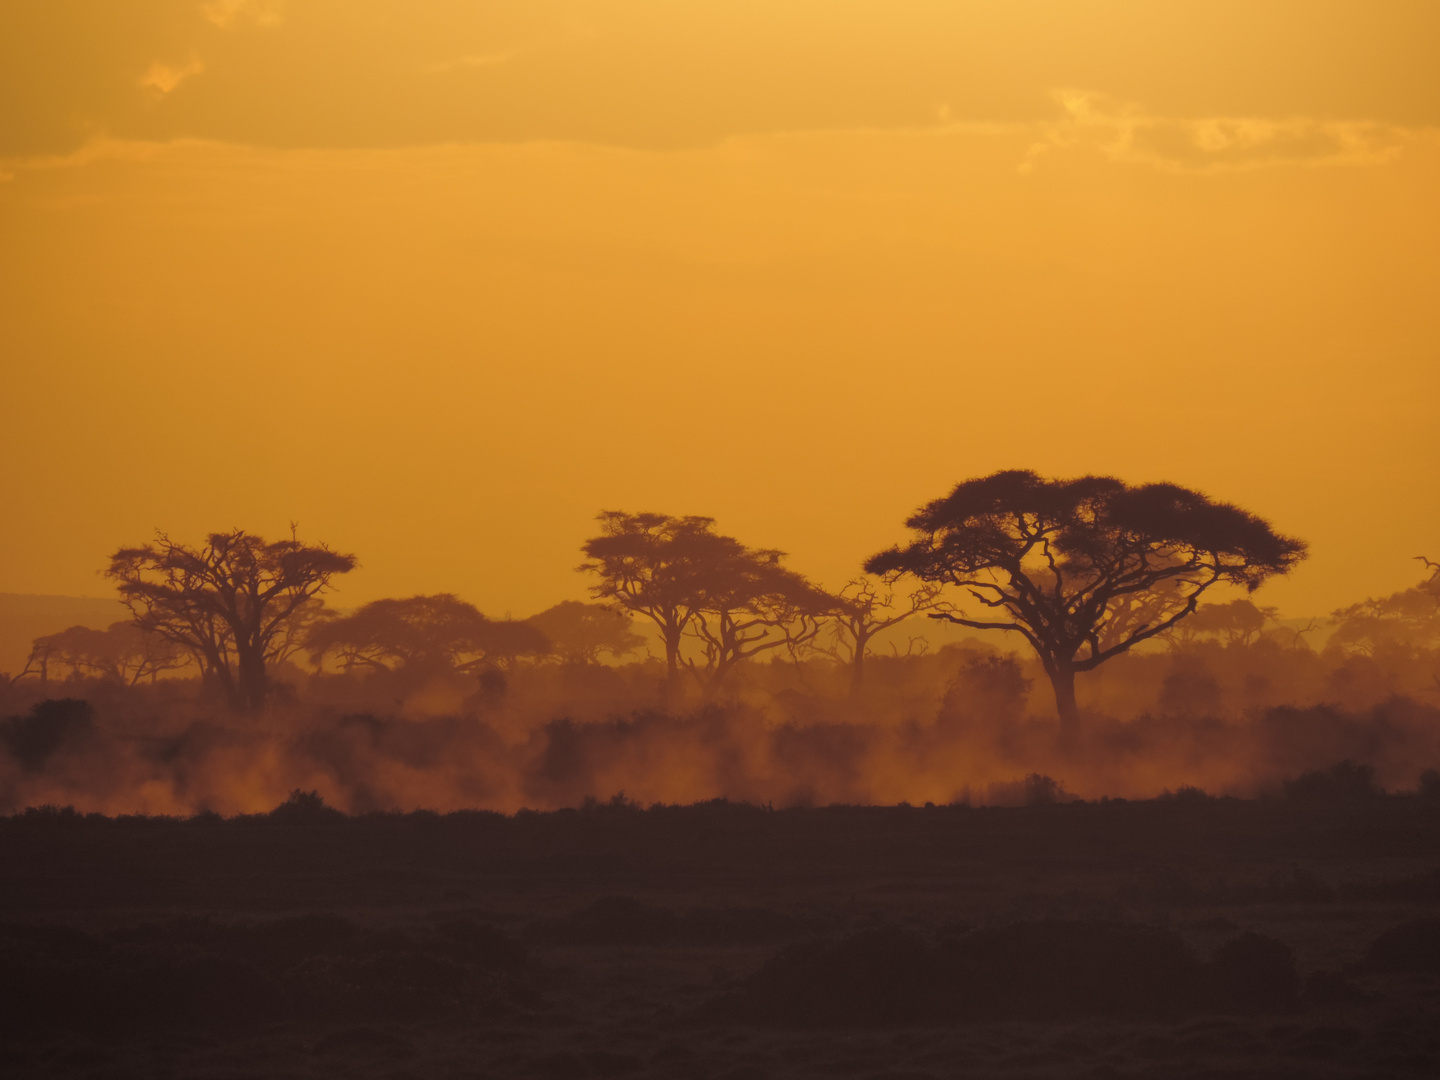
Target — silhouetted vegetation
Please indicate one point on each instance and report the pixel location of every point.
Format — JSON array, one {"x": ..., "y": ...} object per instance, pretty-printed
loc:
[
  {"x": 1088, "y": 564},
  {"x": 736, "y": 602},
  {"x": 304, "y": 808},
  {"x": 1345, "y": 780},
  {"x": 762, "y": 686},
  {"x": 36, "y": 737},
  {"x": 123, "y": 653},
  {"x": 583, "y": 633},
  {"x": 236, "y": 604},
  {"x": 863, "y": 610},
  {"x": 407, "y": 645}
]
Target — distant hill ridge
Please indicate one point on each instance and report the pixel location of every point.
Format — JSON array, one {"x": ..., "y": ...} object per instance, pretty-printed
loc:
[{"x": 25, "y": 616}]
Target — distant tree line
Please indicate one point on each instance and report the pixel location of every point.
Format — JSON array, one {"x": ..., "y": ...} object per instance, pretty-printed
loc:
[{"x": 1082, "y": 570}]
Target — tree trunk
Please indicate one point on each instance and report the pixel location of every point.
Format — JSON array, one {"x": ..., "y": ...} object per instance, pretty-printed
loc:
[
  {"x": 1062, "y": 678},
  {"x": 727, "y": 655},
  {"x": 251, "y": 686},
  {"x": 672, "y": 664},
  {"x": 217, "y": 682},
  {"x": 862, "y": 635}
]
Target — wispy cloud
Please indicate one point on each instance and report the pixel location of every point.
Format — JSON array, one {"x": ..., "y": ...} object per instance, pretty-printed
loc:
[
  {"x": 164, "y": 77},
  {"x": 227, "y": 14},
  {"x": 1210, "y": 144}
]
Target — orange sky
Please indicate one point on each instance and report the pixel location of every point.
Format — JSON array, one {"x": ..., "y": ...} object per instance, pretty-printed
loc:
[{"x": 440, "y": 280}]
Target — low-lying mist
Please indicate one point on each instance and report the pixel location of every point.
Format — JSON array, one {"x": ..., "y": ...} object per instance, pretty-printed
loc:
[{"x": 967, "y": 723}]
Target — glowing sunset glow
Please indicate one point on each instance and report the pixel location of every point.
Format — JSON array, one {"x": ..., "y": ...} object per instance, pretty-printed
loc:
[{"x": 441, "y": 281}]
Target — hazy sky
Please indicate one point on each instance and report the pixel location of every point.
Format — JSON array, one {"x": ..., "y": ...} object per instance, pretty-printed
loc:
[{"x": 442, "y": 279}]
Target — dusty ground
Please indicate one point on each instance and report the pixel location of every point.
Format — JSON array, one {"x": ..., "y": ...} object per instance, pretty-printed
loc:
[{"x": 620, "y": 942}]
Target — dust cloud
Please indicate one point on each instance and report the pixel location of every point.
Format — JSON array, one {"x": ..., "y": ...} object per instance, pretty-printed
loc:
[{"x": 965, "y": 723}]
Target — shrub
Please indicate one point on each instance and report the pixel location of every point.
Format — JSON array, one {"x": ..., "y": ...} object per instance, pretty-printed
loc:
[
  {"x": 34, "y": 739},
  {"x": 1343, "y": 782},
  {"x": 304, "y": 808}
]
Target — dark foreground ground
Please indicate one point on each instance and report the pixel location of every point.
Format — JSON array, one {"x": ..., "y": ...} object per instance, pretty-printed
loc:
[{"x": 1167, "y": 939}]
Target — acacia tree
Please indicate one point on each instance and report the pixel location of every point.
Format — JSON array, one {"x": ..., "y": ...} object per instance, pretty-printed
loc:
[
  {"x": 1405, "y": 620},
  {"x": 653, "y": 566},
  {"x": 1239, "y": 622},
  {"x": 439, "y": 633},
  {"x": 230, "y": 602},
  {"x": 750, "y": 604},
  {"x": 580, "y": 633},
  {"x": 36, "y": 663},
  {"x": 418, "y": 632},
  {"x": 688, "y": 579},
  {"x": 862, "y": 610},
  {"x": 123, "y": 653},
  {"x": 1062, "y": 562},
  {"x": 505, "y": 642}
]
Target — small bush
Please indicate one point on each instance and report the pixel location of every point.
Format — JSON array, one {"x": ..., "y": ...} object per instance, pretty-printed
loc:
[
  {"x": 304, "y": 808},
  {"x": 1186, "y": 793},
  {"x": 1345, "y": 781},
  {"x": 50, "y": 814},
  {"x": 34, "y": 739},
  {"x": 1041, "y": 790}
]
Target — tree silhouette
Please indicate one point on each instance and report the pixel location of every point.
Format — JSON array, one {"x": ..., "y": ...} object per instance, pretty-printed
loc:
[
  {"x": 1239, "y": 622},
  {"x": 687, "y": 578},
  {"x": 36, "y": 663},
  {"x": 232, "y": 603},
  {"x": 653, "y": 566},
  {"x": 580, "y": 633},
  {"x": 1405, "y": 621},
  {"x": 750, "y": 604},
  {"x": 123, "y": 653},
  {"x": 863, "y": 609},
  {"x": 1063, "y": 562},
  {"x": 423, "y": 634},
  {"x": 507, "y": 641}
]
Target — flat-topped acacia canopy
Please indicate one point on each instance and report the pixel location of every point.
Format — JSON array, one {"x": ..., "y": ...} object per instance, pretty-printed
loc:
[{"x": 1086, "y": 568}]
